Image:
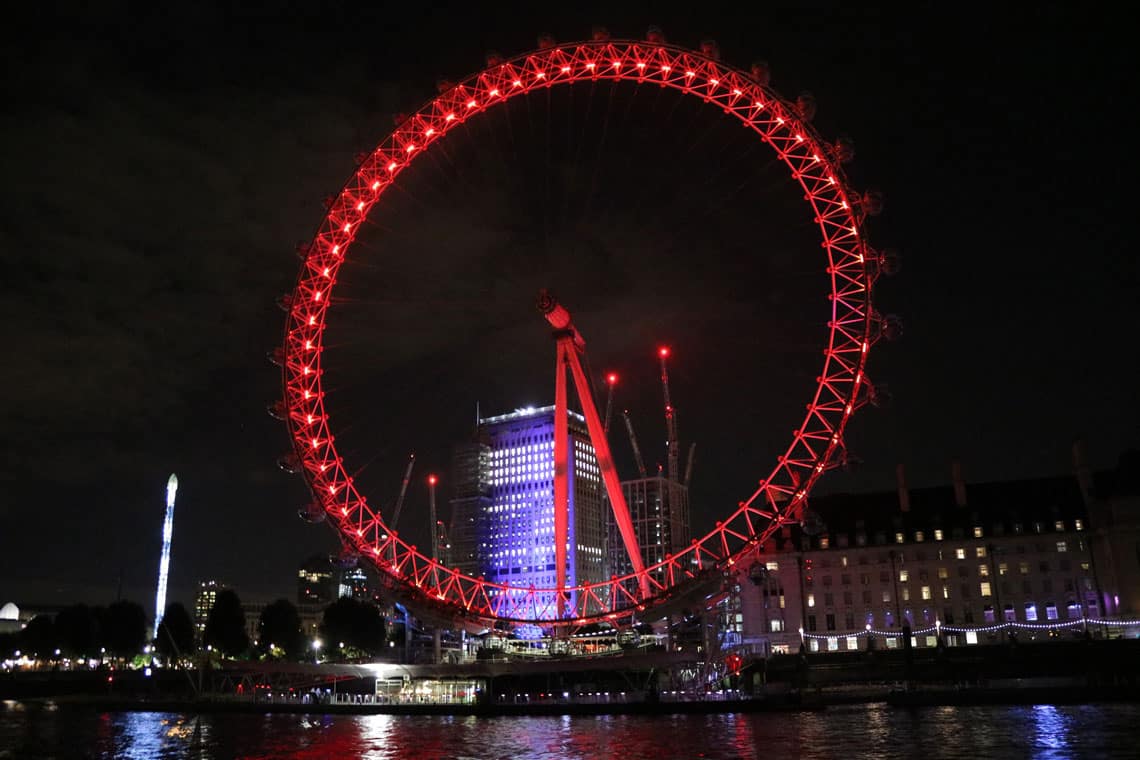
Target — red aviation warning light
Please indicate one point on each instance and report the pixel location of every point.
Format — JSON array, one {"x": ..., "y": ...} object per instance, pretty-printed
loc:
[
  {"x": 670, "y": 418},
  {"x": 611, "y": 381},
  {"x": 432, "y": 480}
]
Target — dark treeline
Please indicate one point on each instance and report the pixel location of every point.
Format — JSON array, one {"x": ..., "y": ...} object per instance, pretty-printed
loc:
[{"x": 121, "y": 630}]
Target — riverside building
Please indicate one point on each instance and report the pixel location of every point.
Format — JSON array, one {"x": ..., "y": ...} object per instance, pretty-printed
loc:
[{"x": 968, "y": 564}]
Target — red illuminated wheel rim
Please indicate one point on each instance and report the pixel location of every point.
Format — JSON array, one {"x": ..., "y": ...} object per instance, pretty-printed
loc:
[{"x": 841, "y": 386}]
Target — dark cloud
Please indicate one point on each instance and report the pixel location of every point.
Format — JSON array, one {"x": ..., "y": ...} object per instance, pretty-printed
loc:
[{"x": 161, "y": 163}]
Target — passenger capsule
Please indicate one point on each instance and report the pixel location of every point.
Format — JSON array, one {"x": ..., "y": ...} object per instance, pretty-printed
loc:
[
  {"x": 710, "y": 49},
  {"x": 889, "y": 262},
  {"x": 892, "y": 327},
  {"x": 872, "y": 202},
  {"x": 881, "y": 396},
  {"x": 276, "y": 355},
  {"x": 761, "y": 74},
  {"x": 285, "y": 302},
  {"x": 546, "y": 41},
  {"x": 599, "y": 34},
  {"x": 806, "y": 106},
  {"x": 844, "y": 150},
  {"x": 655, "y": 35},
  {"x": 290, "y": 463},
  {"x": 810, "y": 522},
  {"x": 346, "y": 559},
  {"x": 277, "y": 410},
  {"x": 312, "y": 512}
]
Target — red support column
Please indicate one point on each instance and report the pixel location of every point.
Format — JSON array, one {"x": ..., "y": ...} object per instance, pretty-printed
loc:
[
  {"x": 606, "y": 465},
  {"x": 561, "y": 472}
]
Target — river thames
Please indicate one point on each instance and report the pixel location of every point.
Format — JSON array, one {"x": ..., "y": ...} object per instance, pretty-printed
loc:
[{"x": 33, "y": 730}]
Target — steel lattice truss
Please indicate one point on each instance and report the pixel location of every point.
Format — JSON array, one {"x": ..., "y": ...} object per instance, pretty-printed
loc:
[{"x": 841, "y": 386}]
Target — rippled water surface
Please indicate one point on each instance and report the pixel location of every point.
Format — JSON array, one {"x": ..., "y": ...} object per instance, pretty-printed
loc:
[{"x": 1042, "y": 731}]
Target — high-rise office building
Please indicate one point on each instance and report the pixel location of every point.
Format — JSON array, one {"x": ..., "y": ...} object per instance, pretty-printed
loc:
[
  {"x": 659, "y": 509},
  {"x": 354, "y": 584},
  {"x": 318, "y": 581},
  {"x": 471, "y": 498},
  {"x": 504, "y": 487},
  {"x": 204, "y": 602}
]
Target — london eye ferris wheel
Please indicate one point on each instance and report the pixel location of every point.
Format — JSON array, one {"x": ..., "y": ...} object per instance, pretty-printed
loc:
[{"x": 650, "y": 591}]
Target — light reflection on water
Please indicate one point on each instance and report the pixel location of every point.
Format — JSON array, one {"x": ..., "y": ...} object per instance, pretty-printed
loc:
[
  {"x": 1052, "y": 727},
  {"x": 1043, "y": 731}
]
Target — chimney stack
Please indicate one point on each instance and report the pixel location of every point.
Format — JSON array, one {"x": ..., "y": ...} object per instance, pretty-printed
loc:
[
  {"x": 959, "y": 483},
  {"x": 904, "y": 493},
  {"x": 1081, "y": 468}
]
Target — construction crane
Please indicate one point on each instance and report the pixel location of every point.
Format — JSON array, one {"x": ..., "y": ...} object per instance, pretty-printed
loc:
[
  {"x": 670, "y": 420},
  {"x": 434, "y": 527},
  {"x": 433, "y": 523},
  {"x": 403, "y": 492},
  {"x": 443, "y": 542},
  {"x": 611, "y": 381},
  {"x": 633, "y": 444},
  {"x": 689, "y": 464}
]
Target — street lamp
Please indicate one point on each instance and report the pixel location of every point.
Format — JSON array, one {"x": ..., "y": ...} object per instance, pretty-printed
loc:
[{"x": 316, "y": 650}]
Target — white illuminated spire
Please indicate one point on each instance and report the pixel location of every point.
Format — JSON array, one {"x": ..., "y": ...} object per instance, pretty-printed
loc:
[{"x": 164, "y": 563}]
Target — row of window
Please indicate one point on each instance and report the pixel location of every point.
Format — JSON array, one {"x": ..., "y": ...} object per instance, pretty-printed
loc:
[
  {"x": 919, "y": 536},
  {"x": 1031, "y": 613},
  {"x": 926, "y": 593},
  {"x": 904, "y": 575},
  {"x": 921, "y": 556}
]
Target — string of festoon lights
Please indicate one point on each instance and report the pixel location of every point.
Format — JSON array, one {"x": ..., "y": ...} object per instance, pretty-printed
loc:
[{"x": 938, "y": 628}]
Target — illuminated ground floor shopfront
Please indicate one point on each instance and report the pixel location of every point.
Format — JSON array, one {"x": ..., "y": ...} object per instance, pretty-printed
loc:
[{"x": 448, "y": 691}]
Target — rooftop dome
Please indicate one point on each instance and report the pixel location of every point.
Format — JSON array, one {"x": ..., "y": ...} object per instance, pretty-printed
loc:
[{"x": 9, "y": 612}]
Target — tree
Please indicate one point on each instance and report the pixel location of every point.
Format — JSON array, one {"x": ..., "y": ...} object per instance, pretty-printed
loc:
[
  {"x": 175, "y": 633},
  {"x": 358, "y": 625},
  {"x": 280, "y": 625},
  {"x": 225, "y": 627},
  {"x": 123, "y": 628},
  {"x": 78, "y": 630},
  {"x": 9, "y": 643},
  {"x": 39, "y": 637}
]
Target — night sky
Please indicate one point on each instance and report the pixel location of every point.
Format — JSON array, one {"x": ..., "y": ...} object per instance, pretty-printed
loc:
[{"x": 161, "y": 165}]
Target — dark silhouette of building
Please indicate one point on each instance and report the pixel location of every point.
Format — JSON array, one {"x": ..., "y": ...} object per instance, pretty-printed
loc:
[{"x": 318, "y": 581}]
